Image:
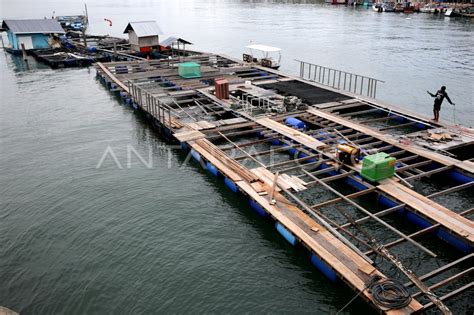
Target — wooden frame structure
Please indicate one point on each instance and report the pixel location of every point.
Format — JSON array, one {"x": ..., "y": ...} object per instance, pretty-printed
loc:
[{"x": 280, "y": 168}]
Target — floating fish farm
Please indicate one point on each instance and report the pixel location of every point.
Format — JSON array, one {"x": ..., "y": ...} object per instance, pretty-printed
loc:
[{"x": 366, "y": 188}]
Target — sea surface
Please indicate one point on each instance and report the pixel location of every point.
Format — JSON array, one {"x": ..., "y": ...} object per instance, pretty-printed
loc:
[{"x": 99, "y": 216}]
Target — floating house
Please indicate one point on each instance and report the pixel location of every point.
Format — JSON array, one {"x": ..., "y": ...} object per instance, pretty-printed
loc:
[
  {"x": 33, "y": 34},
  {"x": 143, "y": 36}
]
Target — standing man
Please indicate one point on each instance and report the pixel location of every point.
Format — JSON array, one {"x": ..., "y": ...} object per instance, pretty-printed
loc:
[{"x": 439, "y": 98}]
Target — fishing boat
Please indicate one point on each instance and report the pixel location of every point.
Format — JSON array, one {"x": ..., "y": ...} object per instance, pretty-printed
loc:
[
  {"x": 73, "y": 22},
  {"x": 336, "y": 1},
  {"x": 377, "y": 7},
  {"x": 429, "y": 8},
  {"x": 449, "y": 12},
  {"x": 389, "y": 7},
  {"x": 398, "y": 7},
  {"x": 467, "y": 12},
  {"x": 267, "y": 60}
]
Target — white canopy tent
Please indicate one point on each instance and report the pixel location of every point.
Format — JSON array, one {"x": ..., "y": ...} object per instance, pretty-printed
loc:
[{"x": 266, "y": 50}]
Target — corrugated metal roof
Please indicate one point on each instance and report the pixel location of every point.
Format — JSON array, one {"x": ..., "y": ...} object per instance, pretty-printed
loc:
[
  {"x": 144, "y": 28},
  {"x": 33, "y": 26},
  {"x": 171, "y": 40},
  {"x": 264, "y": 48}
]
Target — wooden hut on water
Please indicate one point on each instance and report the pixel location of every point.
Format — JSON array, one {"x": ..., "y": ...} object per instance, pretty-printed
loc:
[
  {"x": 33, "y": 34},
  {"x": 143, "y": 36}
]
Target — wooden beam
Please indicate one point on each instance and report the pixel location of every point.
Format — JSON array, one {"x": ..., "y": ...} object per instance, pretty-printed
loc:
[
  {"x": 428, "y": 173},
  {"x": 350, "y": 196},
  {"x": 448, "y": 219}
]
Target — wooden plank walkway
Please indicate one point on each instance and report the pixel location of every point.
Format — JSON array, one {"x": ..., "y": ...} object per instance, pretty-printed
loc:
[
  {"x": 284, "y": 180},
  {"x": 442, "y": 159},
  {"x": 439, "y": 214},
  {"x": 189, "y": 135},
  {"x": 113, "y": 77},
  {"x": 291, "y": 133}
]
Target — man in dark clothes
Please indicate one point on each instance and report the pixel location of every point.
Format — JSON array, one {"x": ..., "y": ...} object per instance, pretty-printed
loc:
[{"x": 439, "y": 98}]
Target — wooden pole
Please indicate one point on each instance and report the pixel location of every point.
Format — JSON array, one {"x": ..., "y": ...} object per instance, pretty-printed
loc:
[
  {"x": 87, "y": 14},
  {"x": 84, "y": 37},
  {"x": 272, "y": 200},
  {"x": 23, "y": 50}
]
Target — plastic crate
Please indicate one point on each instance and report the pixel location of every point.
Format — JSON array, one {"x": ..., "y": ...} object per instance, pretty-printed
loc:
[
  {"x": 189, "y": 70},
  {"x": 378, "y": 166}
]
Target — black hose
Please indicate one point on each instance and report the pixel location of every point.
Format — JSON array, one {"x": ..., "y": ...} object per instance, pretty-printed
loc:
[{"x": 390, "y": 293}]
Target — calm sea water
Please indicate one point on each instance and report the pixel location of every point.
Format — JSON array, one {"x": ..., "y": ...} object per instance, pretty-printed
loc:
[{"x": 75, "y": 238}]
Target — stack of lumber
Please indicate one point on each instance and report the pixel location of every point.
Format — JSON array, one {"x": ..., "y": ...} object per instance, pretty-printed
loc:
[
  {"x": 189, "y": 135},
  {"x": 284, "y": 181},
  {"x": 175, "y": 124},
  {"x": 200, "y": 125}
]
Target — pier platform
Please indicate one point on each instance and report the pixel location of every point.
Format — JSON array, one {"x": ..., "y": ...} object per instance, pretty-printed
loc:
[{"x": 273, "y": 141}]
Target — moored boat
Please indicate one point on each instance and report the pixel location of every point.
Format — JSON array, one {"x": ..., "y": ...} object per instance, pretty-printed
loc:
[
  {"x": 431, "y": 8},
  {"x": 73, "y": 22},
  {"x": 267, "y": 60},
  {"x": 389, "y": 7}
]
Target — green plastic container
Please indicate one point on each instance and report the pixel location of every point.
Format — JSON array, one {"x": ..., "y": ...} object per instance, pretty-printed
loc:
[
  {"x": 189, "y": 70},
  {"x": 378, "y": 166}
]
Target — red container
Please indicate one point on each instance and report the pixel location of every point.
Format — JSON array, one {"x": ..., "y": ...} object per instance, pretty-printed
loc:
[{"x": 221, "y": 88}]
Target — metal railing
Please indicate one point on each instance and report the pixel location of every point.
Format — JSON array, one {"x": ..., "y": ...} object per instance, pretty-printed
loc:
[
  {"x": 151, "y": 104},
  {"x": 251, "y": 103},
  {"x": 338, "y": 79}
]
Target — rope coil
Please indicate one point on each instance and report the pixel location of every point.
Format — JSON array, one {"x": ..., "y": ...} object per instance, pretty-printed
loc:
[{"x": 390, "y": 293}]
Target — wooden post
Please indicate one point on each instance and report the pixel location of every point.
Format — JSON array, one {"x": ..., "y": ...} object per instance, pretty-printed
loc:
[
  {"x": 272, "y": 200},
  {"x": 84, "y": 37},
  {"x": 87, "y": 14},
  {"x": 23, "y": 50},
  {"x": 159, "y": 110}
]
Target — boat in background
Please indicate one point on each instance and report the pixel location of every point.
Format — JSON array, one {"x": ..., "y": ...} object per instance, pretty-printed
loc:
[
  {"x": 389, "y": 7},
  {"x": 449, "y": 12},
  {"x": 377, "y": 7},
  {"x": 336, "y": 1},
  {"x": 73, "y": 22},
  {"x": 468, "y": 12},
  {"x": 267, "y": 60},
  {"x": 430, "y": 8},
  {"x": 461, "y": 12}
]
